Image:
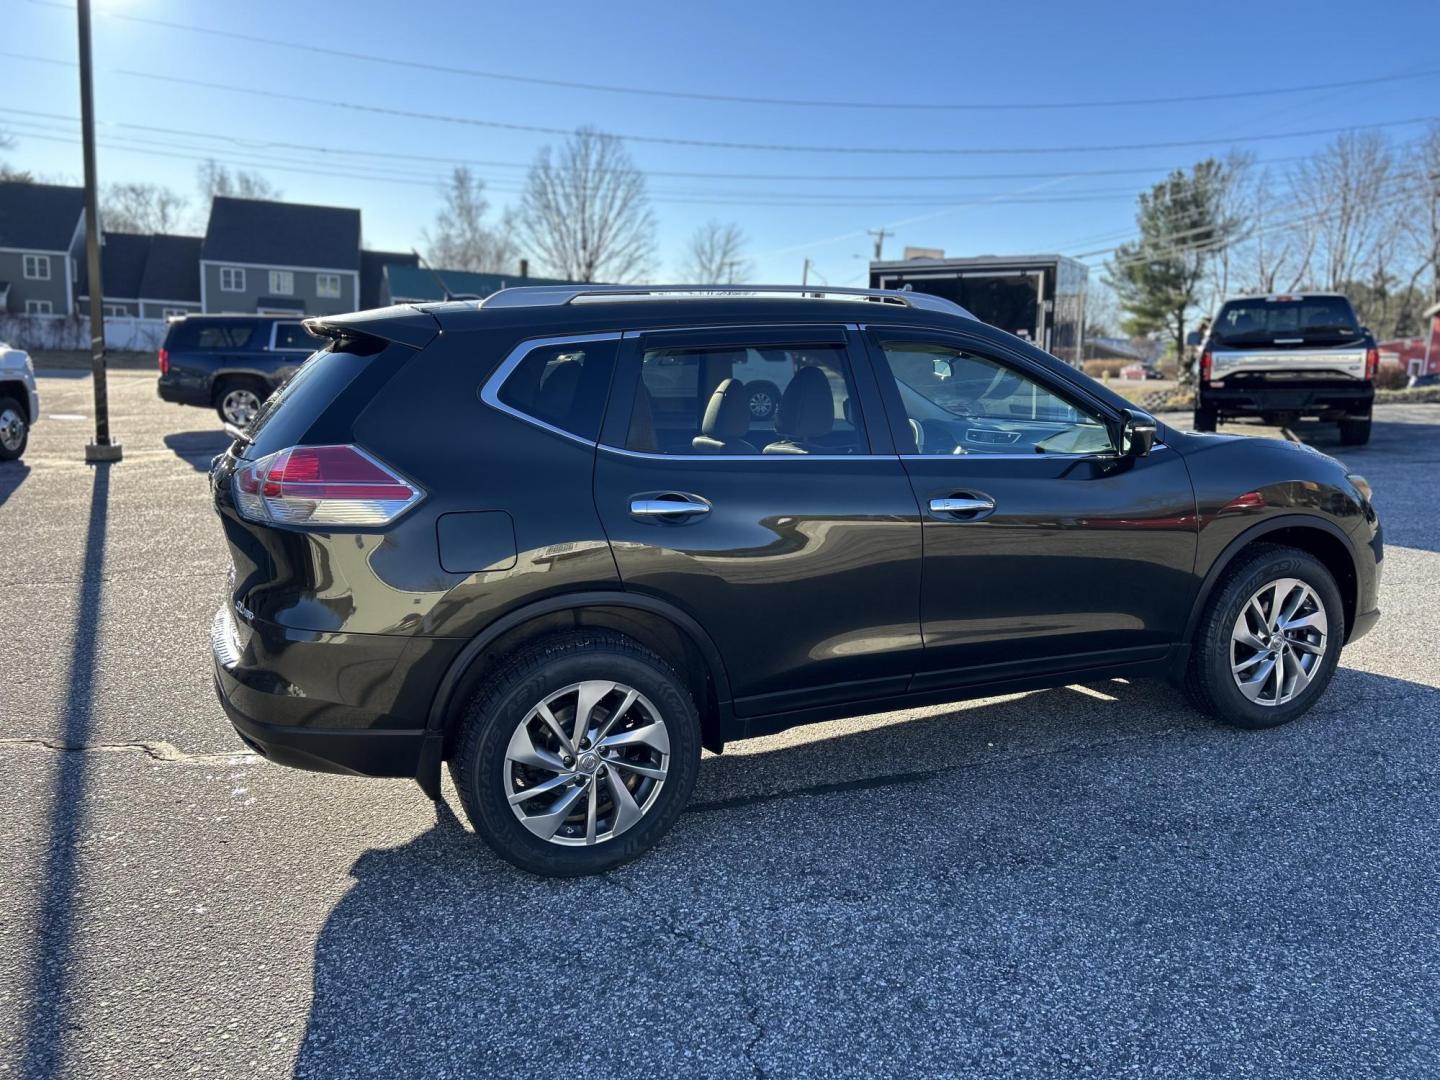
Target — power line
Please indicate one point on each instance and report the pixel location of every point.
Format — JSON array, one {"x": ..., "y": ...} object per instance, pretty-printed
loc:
[
  {"x": 720, "y": 144},
  {"x": 743, "y": 99}
]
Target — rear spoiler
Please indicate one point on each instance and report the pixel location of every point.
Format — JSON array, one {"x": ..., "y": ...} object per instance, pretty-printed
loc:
[{"x": 402, "y": 324}]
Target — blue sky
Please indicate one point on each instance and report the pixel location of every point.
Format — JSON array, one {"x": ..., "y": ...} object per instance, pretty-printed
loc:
[{"x": 933, "y": 53}]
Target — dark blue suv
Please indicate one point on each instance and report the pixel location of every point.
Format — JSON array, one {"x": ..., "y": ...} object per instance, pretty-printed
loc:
[{"x": 230, "y": 363}]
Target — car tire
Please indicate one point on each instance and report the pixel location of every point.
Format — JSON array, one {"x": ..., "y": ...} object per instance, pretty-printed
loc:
[
  {"x": 763, "y": 399},
  {"x": 1354, "y": 432},
  {"x": 235, "y": 396},
  {"x": 1205, "y": 420},
  {"x": 505, "y": 747},
  {"x": 14, "y": 429},
  {"x": 1213, "y": 681}
]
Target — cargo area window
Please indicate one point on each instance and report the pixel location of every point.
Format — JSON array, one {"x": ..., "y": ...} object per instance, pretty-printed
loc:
[{"x": 562, "y": 385}]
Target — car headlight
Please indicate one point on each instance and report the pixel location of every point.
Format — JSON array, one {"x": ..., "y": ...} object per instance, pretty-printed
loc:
[{"x": 1361, "y": 485}]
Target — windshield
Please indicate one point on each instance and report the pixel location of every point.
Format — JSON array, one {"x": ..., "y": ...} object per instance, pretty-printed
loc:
[{"x": 1287, "y": 320}]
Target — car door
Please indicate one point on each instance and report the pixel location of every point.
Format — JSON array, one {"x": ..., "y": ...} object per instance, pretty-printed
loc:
[
  {"x": 794, "y": 540},
  {"x": 1045, "y": 548}
]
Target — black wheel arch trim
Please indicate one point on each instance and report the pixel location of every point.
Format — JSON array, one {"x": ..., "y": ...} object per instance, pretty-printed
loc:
[
  {"x": 441, "y": 704},
  {"x": 1249, "y": 536}
]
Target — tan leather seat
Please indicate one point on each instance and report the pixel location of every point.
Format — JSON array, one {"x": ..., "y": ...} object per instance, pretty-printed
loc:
[
  {"x": 806, "y": 413},
  {"x": 726, "y": 422}
]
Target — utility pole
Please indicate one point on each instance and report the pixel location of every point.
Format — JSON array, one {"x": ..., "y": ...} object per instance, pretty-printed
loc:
[
  {"x": 102, "y": 449},
  {"x": 805, "y": 273},
  {"x": 879, "y": 235}
]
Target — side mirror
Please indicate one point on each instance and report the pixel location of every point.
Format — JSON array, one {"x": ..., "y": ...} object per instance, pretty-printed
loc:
[{"x": 1138, "y": 437}]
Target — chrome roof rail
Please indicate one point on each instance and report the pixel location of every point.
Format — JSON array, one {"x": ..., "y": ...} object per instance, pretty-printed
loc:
[{"x": 558, "y": 295}]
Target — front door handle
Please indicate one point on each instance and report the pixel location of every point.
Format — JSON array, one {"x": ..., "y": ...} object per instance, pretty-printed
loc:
[
  {"x": 672, "y": 506},
  {"x": 962, "y": 504}
]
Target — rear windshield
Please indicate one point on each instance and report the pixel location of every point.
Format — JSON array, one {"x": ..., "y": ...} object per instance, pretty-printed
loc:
[
  {"x": 1311, "y": 320},
  {"x": 289, "y": 412},
  {"x": 190, "y": 334}
]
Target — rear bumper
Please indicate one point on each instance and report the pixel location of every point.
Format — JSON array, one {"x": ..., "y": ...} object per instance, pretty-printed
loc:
[
  {"x": 291, "y": 699},
  {"x": 1353, "y": 399},
  {"x": 186, "y": 393}
]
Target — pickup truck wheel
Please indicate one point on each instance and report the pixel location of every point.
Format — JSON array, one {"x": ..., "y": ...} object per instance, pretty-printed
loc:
[
  {"x": 1269, "y": 639},
  {"x": 238, "y": 400},
  {"x": 1205, "y": 420},
  {"x": 1354, "y": 432},
  {"x": 14, "y": 429},
  {"x": 578, "y": 755}
]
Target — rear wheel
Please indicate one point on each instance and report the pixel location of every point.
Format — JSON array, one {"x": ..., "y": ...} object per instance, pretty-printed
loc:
[
  {"x": 1269, "y": 640},
  {"x": 1355, "y": 432},
  {"x": 238, "y": 400},
  {"x": 579, "y": 755},
  {"x": 1205, "y": 419},
  {"x": 14, "y": 428}
]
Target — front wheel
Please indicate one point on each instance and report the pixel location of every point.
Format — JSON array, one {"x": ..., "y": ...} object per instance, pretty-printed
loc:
[
  {"x": 1354, "y": 432},
  {"x": 14, "y": 429},
  {"x": 1269, "y": 640},
  {"x": 579, "y": 755}
]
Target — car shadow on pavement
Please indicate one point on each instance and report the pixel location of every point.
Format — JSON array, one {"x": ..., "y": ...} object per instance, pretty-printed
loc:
[
  {"x": 953, "y": 872},
  {"x": 12, "y": 475},
  {"x": 197, "y": 448},
  {"x": 47, "y": 999}
]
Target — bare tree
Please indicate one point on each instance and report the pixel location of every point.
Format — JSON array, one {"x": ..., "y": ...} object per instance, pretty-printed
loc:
[
  {"x": 141, "y": 208},
  {"x": 1345, "y": 193},
  {"x": 716, "y": 255},
  {"x": 8, "y": 174},
  {"x": 585, "y": 212},
  {"x": 215, "y": 179},
  {"x": 462, "y": 238},
  {"x": 1422, "y": 220}
]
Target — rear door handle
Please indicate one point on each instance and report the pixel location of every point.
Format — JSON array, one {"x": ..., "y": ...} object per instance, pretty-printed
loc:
[
  {"x": 675, "y": 507},
  {"x": 962, "y": 504}
]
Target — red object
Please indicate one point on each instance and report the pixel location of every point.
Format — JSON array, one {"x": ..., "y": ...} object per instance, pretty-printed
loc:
[
  {"x": 1205, "y": 364},
  {"x": 331, "y": 472},
  {"x": 164, "y": 362},
  {"x": 1251, "y": 500},
  {"x": 1372, "y": 362}
]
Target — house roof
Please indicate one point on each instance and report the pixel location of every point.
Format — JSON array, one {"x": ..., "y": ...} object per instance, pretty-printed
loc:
[
  {"x": 372, "y": 272},
  {"x": 172, "y": 272},
  {"x": 40, "y": 217},
  {"x": 122, "y": 266},
  {"x": 414, "y": 283},
  {"x": 269, "y": 233}
]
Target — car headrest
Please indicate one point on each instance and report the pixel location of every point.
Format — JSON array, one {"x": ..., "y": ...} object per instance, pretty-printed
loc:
[
  {"x": 727, "y": 414},
  {"x": 807, "y": 408}
]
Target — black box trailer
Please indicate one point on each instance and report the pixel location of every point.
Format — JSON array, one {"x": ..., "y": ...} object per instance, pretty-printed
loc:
[{"x": 1038, "y": 297}]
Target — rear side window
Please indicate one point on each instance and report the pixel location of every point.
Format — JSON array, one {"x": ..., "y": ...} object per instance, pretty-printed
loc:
[
  {"x": 192, "y": 335},
  {"x": 563, "y": 386},
  {"x": 738, "y": 401},
  {"x": 292, "y": 335}
]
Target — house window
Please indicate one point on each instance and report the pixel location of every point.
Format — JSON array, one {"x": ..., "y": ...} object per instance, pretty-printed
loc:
[
  {"x": 37, "y": 267},
  {"x": 282, "y": 282},
  {"x": 39, "y": 307},
  {"x": 232, "y": 279},
  {"x": 116, "y": 310},
  {"x": 327, "y": 285}
]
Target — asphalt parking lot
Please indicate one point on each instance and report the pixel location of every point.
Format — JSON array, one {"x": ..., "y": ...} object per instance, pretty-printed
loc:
[{"x": 1089, "y": 881}]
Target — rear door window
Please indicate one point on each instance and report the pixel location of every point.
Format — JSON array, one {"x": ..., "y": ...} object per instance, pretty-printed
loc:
[
  {"x": 741, "y": 400},
  {"x": 202, "y": 336}
]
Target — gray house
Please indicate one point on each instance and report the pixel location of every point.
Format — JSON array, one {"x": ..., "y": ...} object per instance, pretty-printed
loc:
[
  {"x": 42, "y": 240},
  {"x": 147, "y": 277},
  {"x": 280, "y": 258}
]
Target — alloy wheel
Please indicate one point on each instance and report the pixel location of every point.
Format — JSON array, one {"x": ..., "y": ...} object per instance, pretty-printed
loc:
[
  {"x": 12, "y": 430},
  {"x": 586, "y": 763},
  {"x": 240, "y": 406},
  {"x": 1278, "y": 642}
]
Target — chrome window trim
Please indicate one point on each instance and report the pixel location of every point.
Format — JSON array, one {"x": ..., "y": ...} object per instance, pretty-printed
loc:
[
  {"x": 490, "y": 390},
  {"x": 651, "y": 456}
]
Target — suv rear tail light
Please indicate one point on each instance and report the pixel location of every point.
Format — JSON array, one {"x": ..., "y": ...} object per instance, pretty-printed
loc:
[
  {"x": 164, "y": 362},
  {"x": 1206, "y": 363},
  {"x": 1372, "y": 363},
  {"x": 322, "y": 485}
]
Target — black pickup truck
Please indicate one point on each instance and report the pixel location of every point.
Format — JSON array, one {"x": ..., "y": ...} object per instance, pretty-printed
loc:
[
  {"x": 230, "y": 363},
  {"x": 1284, "y": 357}
]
